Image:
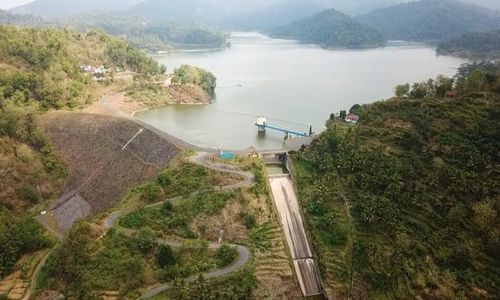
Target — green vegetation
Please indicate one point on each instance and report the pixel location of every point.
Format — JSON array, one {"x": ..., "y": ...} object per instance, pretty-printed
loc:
[
  {"x": 139, "y": 32},
  {"x": 471, "y": 78},
  {"x": 42, "y": 67},
  {"x": 150, "y": 93},
  {"x": 176, "y": 218},
  {"x": 83, "y": 266},
  {"x": 145, "y": 34},
  {"x": 18, "y": 236},
  {"x": 181, "y": 180},
  {"x": 331, "y": 29},
  {"x": 192, "y": 75},
  {"x": 235, "y": 286},
  {"x": 226, "y": 255},
  {"x": 431, "y": 20},
  {"x": 405, "y": 204},
  {"x": 473, "y": 45}
]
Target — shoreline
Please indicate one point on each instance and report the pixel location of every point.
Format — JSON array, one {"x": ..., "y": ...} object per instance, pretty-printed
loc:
[{"x": 113, "y": 104}]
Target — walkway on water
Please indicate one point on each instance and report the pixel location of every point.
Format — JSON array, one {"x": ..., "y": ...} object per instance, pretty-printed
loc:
[{"x": 287, "y": 204}]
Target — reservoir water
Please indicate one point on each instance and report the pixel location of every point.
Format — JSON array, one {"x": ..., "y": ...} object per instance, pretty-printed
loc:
[{"x": 294, "y": 85}]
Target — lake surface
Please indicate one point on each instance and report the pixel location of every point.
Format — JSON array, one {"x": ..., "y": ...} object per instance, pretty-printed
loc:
[{"x": 294, "y": 85}]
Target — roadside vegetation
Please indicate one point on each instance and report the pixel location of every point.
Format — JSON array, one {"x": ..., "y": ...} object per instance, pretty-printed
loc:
[
  {"x": 405, "y": 204},
  {"x": 18, "y": 236},
  {"x": 88, "y": 264},
  {"x": 40, "y": 70},
  {"x": 176, "y": 218}
]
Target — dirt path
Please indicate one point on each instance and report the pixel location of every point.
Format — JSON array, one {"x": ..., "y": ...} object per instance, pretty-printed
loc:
[
  {"x": 114, "y": 104},
  {"x": 243, "y": 252}
]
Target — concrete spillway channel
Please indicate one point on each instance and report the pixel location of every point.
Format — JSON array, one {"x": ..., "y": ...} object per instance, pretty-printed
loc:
[{"x": 287, "y": 205}]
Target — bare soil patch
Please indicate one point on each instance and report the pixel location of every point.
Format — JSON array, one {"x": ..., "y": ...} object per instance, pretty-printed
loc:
[{"x": 100, "y": 172}]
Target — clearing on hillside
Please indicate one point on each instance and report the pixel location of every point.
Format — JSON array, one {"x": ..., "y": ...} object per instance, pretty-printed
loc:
[{"x": 100, "y": 172}]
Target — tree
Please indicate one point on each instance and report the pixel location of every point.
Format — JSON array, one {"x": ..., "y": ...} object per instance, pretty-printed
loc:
[
  {"x": 150, "y": 192},
  {"x": 145, "y": 241},
  {"x": 418, "y": 90},
  {"x": 355, "y": 109},
  {"x": 165, "y": 256},
  {"x": 226, "y": 255},
  {"x": 402, "y": 90},
  {"x": 343, "y": 114},
  {"x": 443, "y": 85}
]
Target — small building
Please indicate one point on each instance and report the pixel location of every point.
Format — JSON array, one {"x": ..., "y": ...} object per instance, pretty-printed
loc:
[
  {"x": 97, "y": 72},
  {"x": 225, "y": 155},
  {"x": 352, "y": 118}
]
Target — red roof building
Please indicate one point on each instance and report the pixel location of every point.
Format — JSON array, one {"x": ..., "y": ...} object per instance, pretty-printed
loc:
[{"x": 352, "y": 118}]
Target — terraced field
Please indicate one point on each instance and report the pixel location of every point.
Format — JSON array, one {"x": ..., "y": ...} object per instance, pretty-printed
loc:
[{"x": 272, "y": 265}]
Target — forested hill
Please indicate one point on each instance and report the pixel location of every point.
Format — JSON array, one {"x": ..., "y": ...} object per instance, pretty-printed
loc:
[
  {"x": 138, "y": 31},
  {"x": 431, "y": 20},
  {"x": 41, "y": 70},
  {"x": 420, "y": 177},
  {"x": 59, "y": 8},
  {"x": 473, "y": 45},
  {"x": 43, "y": 66},
  {"x": 331, "y": 29}
]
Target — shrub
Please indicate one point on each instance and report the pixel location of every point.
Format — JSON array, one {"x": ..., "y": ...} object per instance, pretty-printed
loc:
[
  {"x": 150, "y": 192},
  {"x": 27, "y": 193},
  {"x": 248, "y": 219},
  {"x": 226, "y": 255},
  {"x": 165, "y": 256}
]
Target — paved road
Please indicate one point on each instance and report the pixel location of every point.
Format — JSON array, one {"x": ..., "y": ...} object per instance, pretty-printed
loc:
[
  {"x": 112, "y": 218},
  {"x": 243, "y": 252}
]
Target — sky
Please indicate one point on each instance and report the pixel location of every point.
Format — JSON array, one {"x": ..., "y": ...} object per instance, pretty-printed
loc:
[{"x": 6, "y": 4}]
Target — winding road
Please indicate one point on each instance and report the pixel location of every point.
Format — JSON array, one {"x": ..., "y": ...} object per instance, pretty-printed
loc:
[
  {"x": 201, "y": 158},
  {"x": 243, "y": 252}
]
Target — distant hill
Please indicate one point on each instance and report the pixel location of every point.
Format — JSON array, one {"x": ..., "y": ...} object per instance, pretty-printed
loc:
[
  {"x": 331, "y": 28},
  {"x": 138, "y": 31},
  {"x": 274, "y": 15},
  {"x": 238, "y": 14},
  {"x": 8, "y": 18},
  {"x": 431, "y": 20},
  {"x": 58, "y": 8},
  {"x": 473, "y": 45}
]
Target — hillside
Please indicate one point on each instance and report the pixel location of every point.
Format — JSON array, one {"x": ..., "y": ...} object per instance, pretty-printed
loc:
[
  {"x": 405, "y": 204},
  {"x": 40, "y": 70},
  {"x": 276, "y": 14},
  {"x": 58, "y": 8},
  {"x": 331, "y": 28},
  {"x": 147, "y": 34},
  {"x": 472, "y": 45},
  {"x": 431, "y": 20},
  {"x": 100, "y": 173}
]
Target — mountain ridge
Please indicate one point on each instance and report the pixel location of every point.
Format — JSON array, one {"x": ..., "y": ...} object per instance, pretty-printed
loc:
[{"x": 431, "y": 20}]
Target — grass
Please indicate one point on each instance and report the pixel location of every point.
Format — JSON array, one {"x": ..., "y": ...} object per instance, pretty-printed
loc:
[{"x": 175, "y": 218}]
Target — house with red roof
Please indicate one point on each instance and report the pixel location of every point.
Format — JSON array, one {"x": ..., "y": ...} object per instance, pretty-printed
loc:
[{"x": 352, "y": 118}]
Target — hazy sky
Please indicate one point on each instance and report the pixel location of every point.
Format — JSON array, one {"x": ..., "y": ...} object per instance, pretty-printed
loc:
[{"x": 6, "y": 4}]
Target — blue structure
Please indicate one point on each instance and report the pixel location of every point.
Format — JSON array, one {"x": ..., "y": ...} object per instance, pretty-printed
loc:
[
  {"x": 262, "y": 125},
  {"x": 227, "y": 155}
]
